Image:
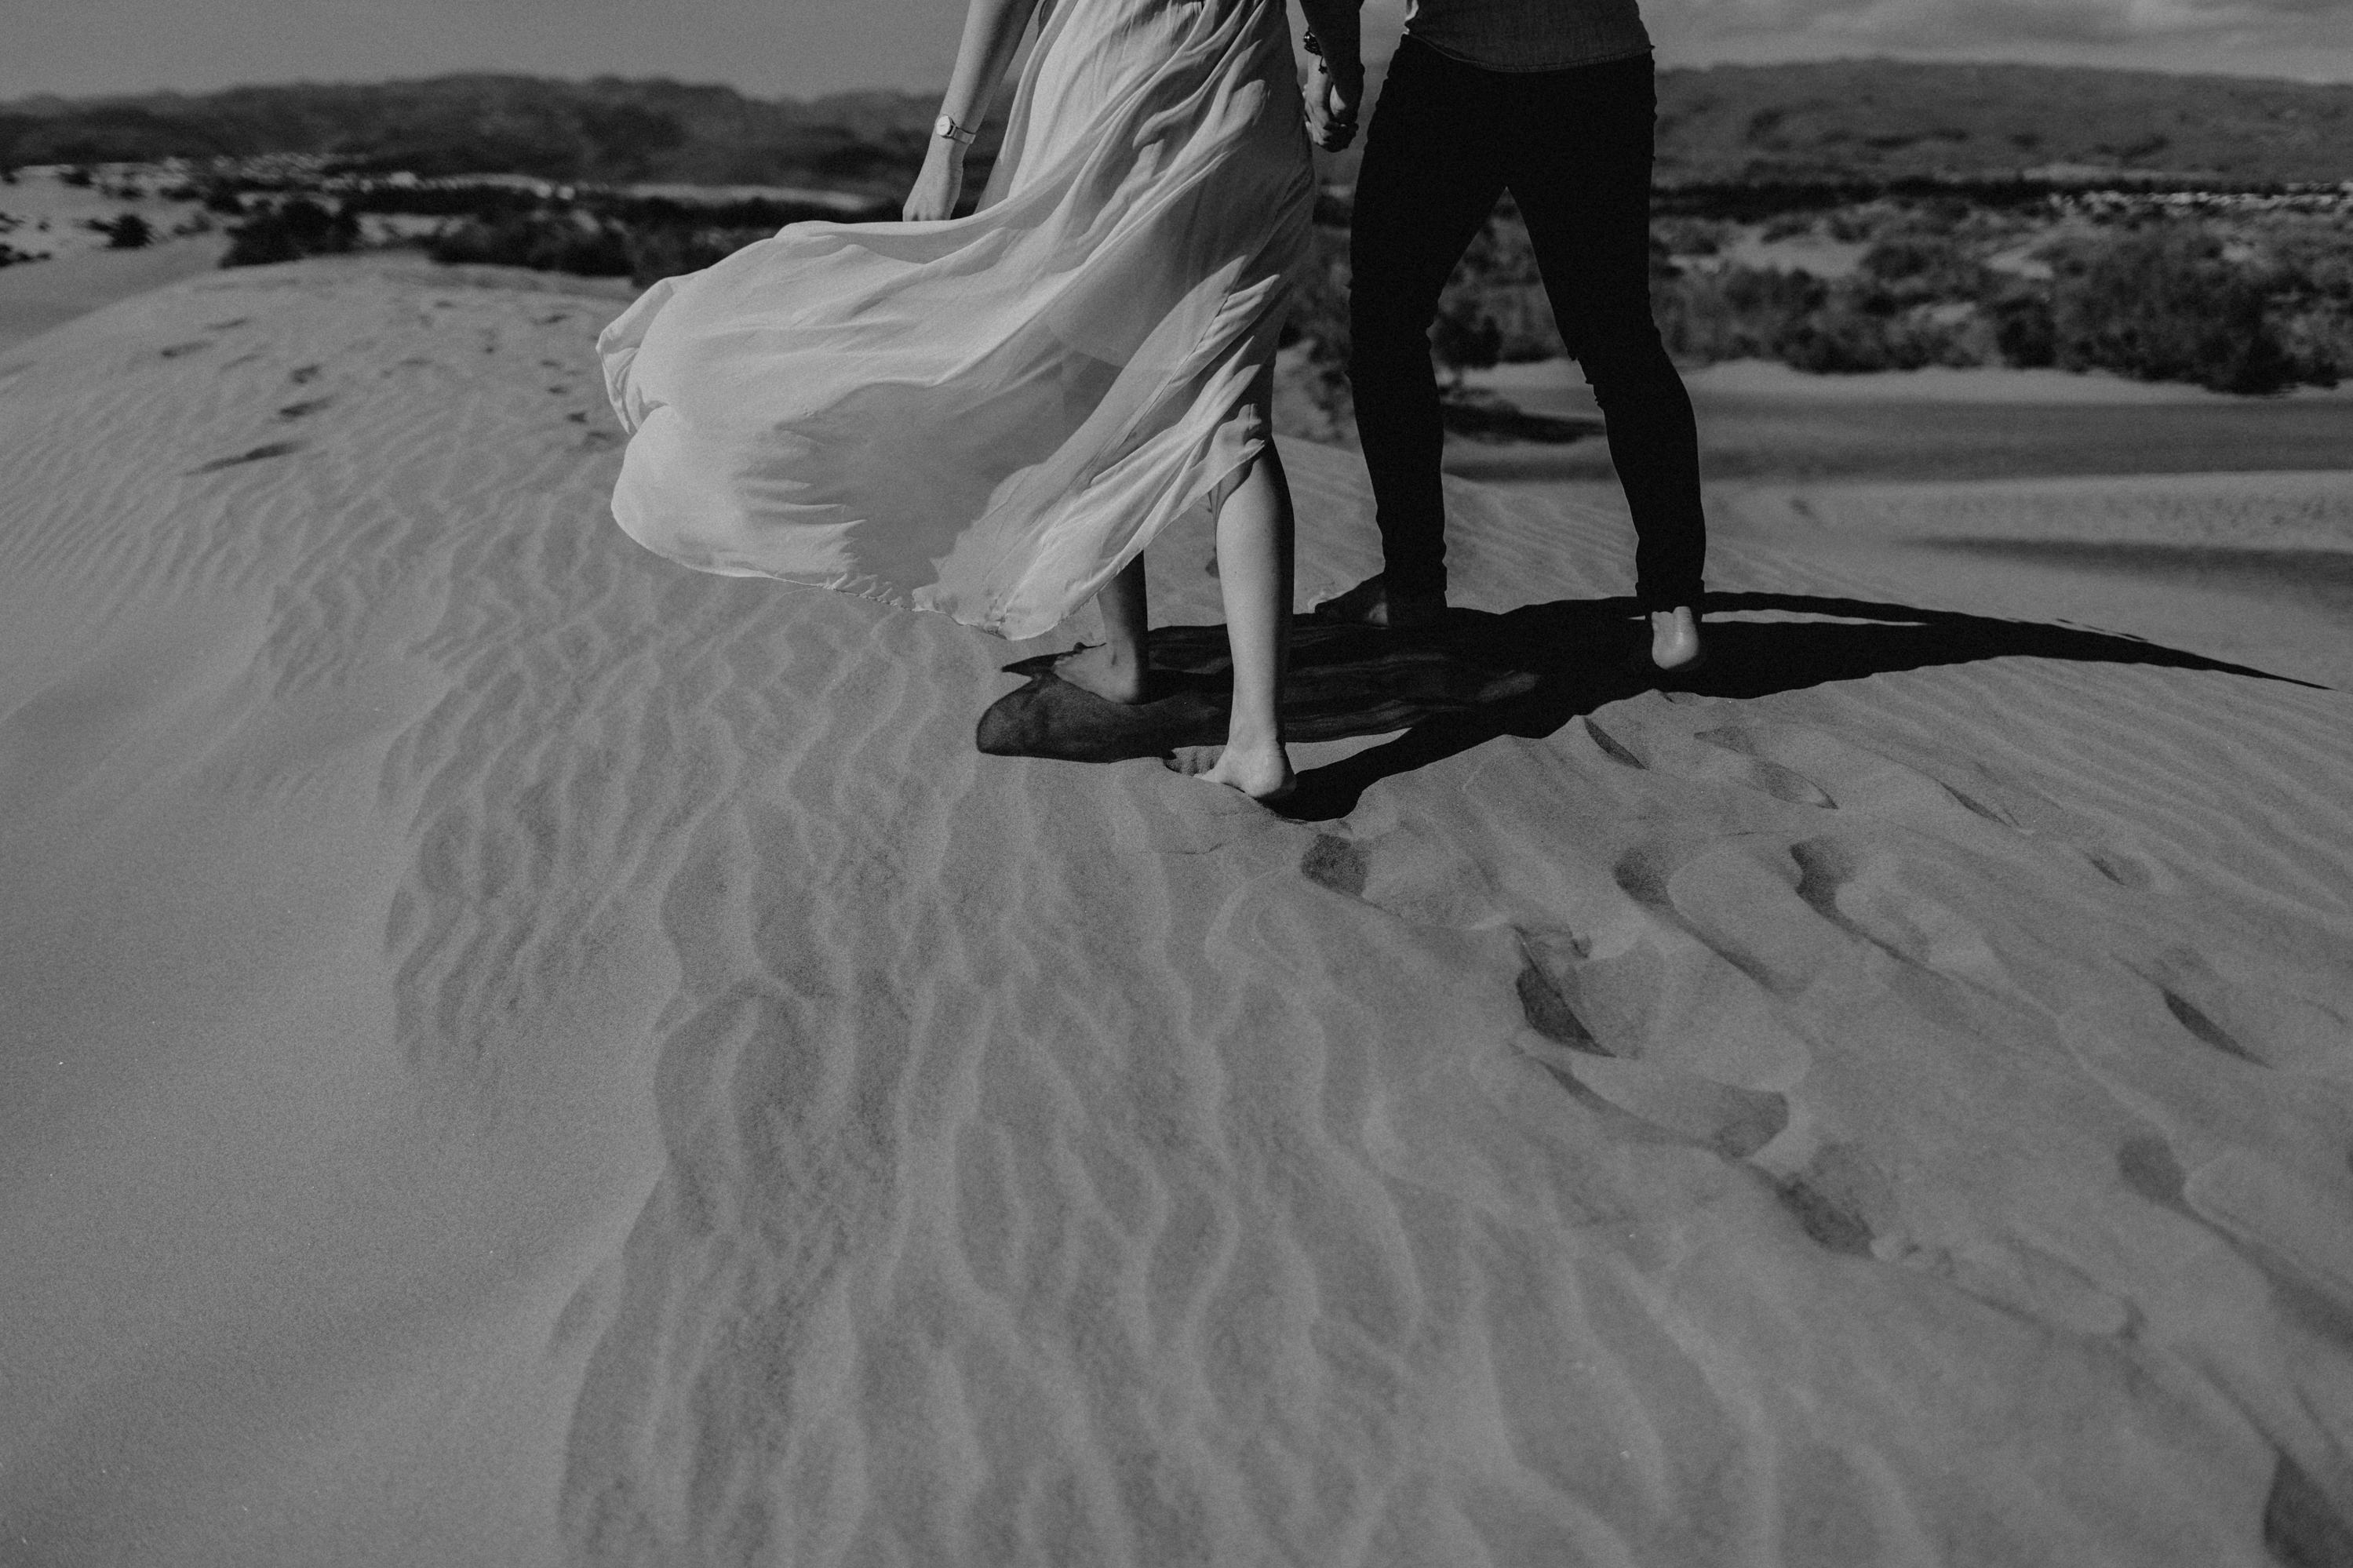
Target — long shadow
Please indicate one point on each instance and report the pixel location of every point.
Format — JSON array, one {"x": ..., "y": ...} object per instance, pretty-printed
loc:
[{"x": 1528, "y": 672}]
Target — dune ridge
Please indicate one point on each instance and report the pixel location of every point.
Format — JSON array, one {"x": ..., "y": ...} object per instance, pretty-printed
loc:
[{"x": 533, "y": 1055}]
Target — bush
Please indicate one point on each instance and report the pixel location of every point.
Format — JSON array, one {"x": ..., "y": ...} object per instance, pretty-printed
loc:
[
  {"x": 2165, "y": 304},
  {"x": 1464, "y": 337},
  {"x": 290, "y": 231},
  {"x": 2024, "y": 332},
  {"x": 1318, "y": 323},
  {"x": 1735, "y": 313},
  {"x": 544, "y": 242},
  {"x": 128, "y": 232}
]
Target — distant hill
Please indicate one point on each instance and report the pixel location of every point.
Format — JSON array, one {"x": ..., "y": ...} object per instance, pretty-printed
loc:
[
  {"x": 603, "y": 130},
  {"x": 1891, "y": 119},
  {"x": 1810, "y": 123}
]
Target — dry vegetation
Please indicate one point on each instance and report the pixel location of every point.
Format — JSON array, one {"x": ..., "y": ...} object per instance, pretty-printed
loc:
[{"x": 2251, "y": 297}]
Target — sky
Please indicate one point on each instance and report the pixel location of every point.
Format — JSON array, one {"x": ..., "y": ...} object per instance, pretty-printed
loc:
[{"x": 807, "y": 48}]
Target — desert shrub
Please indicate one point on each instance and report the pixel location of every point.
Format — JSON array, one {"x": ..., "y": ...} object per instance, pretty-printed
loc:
[
  {"x": 1494, "y": 308},
  {"x": 657, "y": 253},
  {"x": 1846, "y": 337},
  {"x": 1909, "y": 258},
  {"x": 290, "y": 230},
  {"x": 127, "y": 232},
  {"x": 2164, "y": 303},
  {"x": 485, "y": 202},
  {"x": 2025, "y": 334},
  {"x": 1464, "y": 337},
  {"x": 1734, "y": 312},
  {"x": 1855, "y": 225},
  {"x": 544, "y": 242},
  {"x": 78, "y": 176},
  {"x": 1679, "y": 235},
  {"x": 1318, "y": 323}
]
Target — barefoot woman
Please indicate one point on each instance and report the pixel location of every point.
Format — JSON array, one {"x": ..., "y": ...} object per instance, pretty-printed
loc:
[{"x": 991, "y": 417}]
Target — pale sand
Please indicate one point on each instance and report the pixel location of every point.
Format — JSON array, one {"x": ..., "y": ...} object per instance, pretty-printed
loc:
[
  {"x": 521, "y": 1053},
  {"x": 37, "y": 296}
]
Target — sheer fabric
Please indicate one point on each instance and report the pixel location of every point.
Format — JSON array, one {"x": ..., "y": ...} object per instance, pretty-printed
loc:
[{"x": 990, "y": 416}]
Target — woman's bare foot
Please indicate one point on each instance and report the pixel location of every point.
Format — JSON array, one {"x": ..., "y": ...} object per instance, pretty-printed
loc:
[
  {"x": 1675, "y": 637},
  {"x": 1368, "y": 604},
  {"x": 1105, "y": 671},
  {"x": 1260, "y": 772}
]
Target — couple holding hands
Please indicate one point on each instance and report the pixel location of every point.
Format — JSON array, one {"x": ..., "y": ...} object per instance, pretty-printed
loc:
[{"x": 992, "y": 415}]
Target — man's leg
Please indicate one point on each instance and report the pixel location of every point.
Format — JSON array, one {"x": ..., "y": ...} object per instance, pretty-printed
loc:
[
  {"x": 1585, "y": 188},
  {"x": 1430, "y": 177}
]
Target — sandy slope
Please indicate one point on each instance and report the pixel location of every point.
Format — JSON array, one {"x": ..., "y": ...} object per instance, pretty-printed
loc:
[
  {"x": 520, "y": 1053},
  {"x": 38, "y": 296}
]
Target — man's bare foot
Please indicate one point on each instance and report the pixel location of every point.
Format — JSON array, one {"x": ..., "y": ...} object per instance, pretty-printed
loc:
[
  {"x": 1675, "y": 637},
  {"x": 1102, "y": 669},
  {"x": 1369, "y": 603},
  {"x": 1260, "y": 772}
]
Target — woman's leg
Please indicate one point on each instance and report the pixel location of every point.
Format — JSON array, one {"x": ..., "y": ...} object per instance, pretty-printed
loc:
[
  {"x": 1114, "y": 668},
  {"x": 1254, "y": 545}
]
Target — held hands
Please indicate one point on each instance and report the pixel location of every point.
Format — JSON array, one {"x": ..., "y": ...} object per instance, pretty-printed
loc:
[
  {"x": 938, "y": 184},
  {"x": 1333, "y": 97}
]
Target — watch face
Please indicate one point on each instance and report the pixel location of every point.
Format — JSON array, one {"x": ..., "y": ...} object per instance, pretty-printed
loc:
[{"x": 943, "y": 126}]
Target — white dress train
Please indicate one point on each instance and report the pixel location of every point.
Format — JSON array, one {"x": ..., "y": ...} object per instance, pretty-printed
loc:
[{"x": 990, "y": 416}]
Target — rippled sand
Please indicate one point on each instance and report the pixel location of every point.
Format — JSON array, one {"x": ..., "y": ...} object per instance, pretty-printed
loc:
[{"x": 519, "y": 1053}]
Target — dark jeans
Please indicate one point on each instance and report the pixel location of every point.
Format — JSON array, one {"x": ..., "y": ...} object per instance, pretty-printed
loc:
[{"x": 1573, "y": 147}]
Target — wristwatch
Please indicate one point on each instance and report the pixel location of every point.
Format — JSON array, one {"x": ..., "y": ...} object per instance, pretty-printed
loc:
[{"x": 946, "y": 125}]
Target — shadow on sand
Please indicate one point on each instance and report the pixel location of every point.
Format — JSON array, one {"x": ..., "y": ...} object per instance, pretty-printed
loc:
[{"x": 1524, "y": 673}]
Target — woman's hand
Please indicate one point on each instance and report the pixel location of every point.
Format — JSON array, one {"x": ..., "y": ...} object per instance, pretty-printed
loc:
[
  {"x": 938, "y": 184},
  {"x": 1333, "y": 97}
]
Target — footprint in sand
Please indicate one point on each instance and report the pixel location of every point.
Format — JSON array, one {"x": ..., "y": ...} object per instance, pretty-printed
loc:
[
  {"x": 258, "y": 454},
  {"x": 1813, "y": 767},
  {"x": 303, "y": 409},
  {"x": 302, "y": 375},
  {"x": 2205, "y": 1030},
  {"x": 1839, "y": 1199},
  {"x": 2254, "y": 1013},
  {"x": 177, "y": 350},
  {"x": 2302, "y": 1529},
  {"x": 1728, "y": 755},
  {"x": 1339, "y": 864},
  {"x": 1698, "y": 1064},
  {"x": 1867, "y": 895}
]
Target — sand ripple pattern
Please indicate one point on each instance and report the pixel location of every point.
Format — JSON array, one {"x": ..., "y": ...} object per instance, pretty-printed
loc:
[{"x": 1898, "y": 1120}]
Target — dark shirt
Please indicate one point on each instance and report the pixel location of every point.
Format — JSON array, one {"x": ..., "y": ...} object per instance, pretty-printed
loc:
[{"x": 1530, "y": 35}]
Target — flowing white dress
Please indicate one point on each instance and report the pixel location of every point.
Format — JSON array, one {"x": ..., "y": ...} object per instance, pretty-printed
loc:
[{"x": 990, "y": 416}]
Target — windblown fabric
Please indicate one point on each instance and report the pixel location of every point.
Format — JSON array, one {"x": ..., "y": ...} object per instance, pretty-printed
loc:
[{"x": 990, "y": 416}]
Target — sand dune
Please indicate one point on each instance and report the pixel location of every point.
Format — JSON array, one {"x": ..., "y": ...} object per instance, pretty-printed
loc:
[{"x": 525, "y": 1054}]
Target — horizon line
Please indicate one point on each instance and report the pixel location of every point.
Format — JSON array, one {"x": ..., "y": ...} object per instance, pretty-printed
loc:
[{"x": 2204, "y": 72}]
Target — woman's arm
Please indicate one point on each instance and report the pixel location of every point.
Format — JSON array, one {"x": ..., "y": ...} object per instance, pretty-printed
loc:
[
  {"x": 1338, "y": 91},
  {"x": 992, "y": 32}
]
